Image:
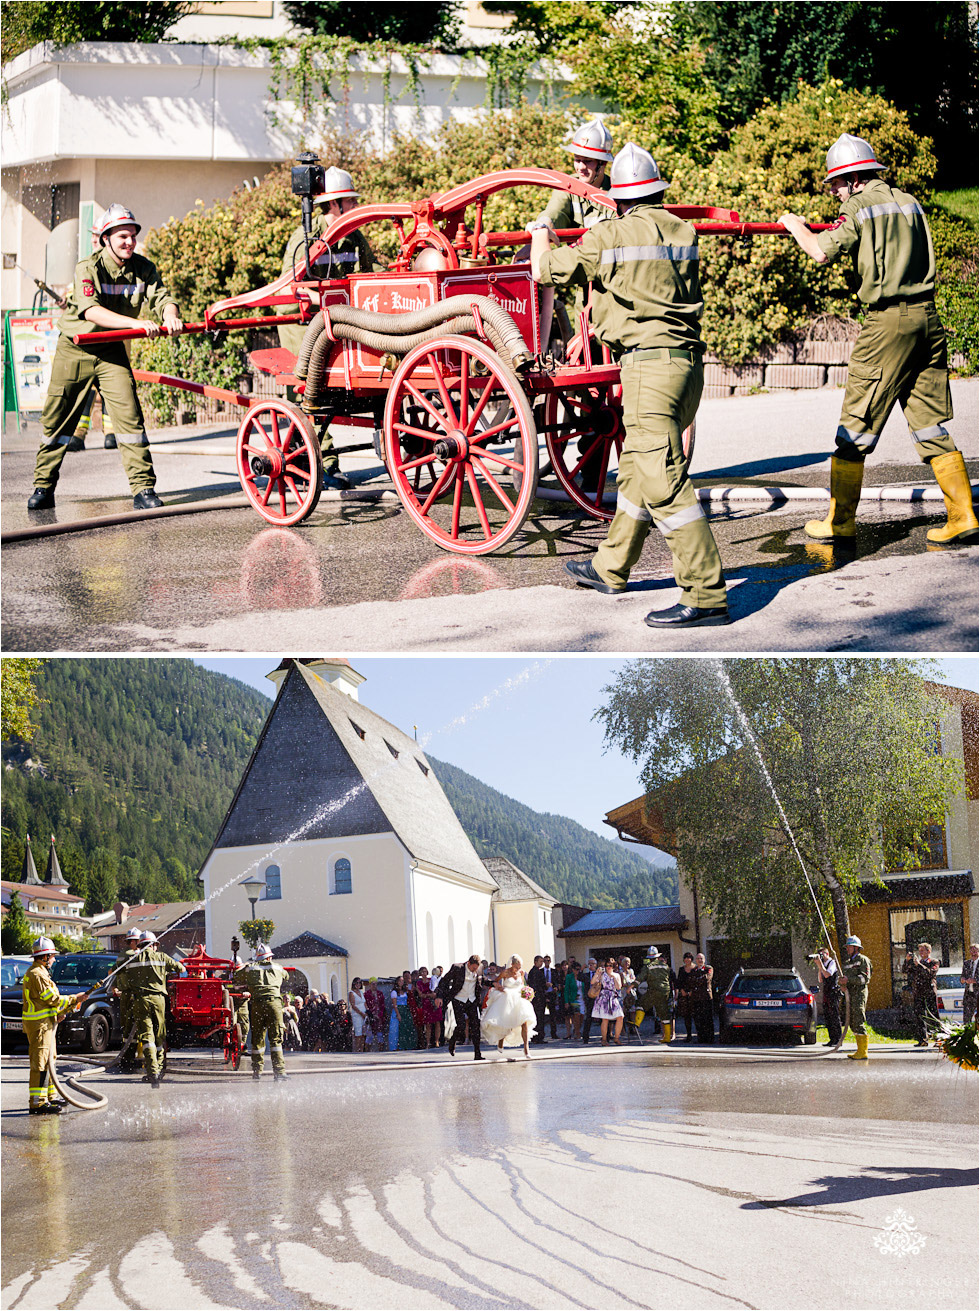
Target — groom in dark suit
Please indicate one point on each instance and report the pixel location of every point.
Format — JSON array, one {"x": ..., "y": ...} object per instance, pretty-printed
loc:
[
  {"x": 536, "y": 980},
  {"x": 464, "y": 987}
]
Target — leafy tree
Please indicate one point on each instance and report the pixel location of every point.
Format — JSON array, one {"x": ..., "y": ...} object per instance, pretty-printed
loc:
[
  {"x": 26, "y": 22},
  {"x": 557, "y": 27},
  {"x": 256, "y": 931},
  {"x": 412, "y": 24},
  {"x": 18, "y": 697},
  {"x": 921, "y": 56},
  {"x": 16, "y": 936},
  {"x": 849, "y": 746}
]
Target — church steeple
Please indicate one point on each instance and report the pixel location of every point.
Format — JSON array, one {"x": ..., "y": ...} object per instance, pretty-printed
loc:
[
  {"x": 53, "y": 874},
  {"x": 30, "y": 874},
  {"x": 339, "y": 673}
]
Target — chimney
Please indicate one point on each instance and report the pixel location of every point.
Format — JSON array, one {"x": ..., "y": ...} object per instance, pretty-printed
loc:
[{"x": 121, "y": 911}]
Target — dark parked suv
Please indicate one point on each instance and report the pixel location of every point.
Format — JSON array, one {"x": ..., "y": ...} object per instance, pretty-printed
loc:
[
  {"x": 94, "y": 1028},
  {"x": 768, "y": 999}
]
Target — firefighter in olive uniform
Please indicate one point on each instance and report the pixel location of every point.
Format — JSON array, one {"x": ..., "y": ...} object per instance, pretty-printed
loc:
[
  {"x": 655, "y": 984},
  {"x": 351, "y": 254},
  {"x": 646, "y": 306},
  {"x": 263, "y": 980},
  {"x": 110, "y": 289},
  {"x": 146, "y": 978},
  {"x": 901, "y": 353},
  {"x": 857, "y": 976},
  {"x": 43, "y": 1008},
  {"x": 128, "y": 1058}
]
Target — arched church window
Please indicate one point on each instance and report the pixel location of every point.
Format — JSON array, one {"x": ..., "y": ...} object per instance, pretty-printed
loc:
[
  {"x": 273, "y": 883},
  {"x": 341, "y": 875}
]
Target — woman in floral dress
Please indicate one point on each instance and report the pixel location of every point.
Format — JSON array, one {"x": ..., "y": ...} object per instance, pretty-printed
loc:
[{"x": 607, "y": 1005}]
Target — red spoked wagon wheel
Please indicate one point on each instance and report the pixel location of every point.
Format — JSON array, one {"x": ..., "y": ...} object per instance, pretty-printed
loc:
[
  {"x": 584, "y": 432},
  {"x": 461, "y": 445},
  {"x": 279, "y": 462}
]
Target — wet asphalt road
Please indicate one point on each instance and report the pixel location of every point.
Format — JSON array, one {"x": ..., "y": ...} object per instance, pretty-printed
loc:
[
  {"x": 620, "y": 1179},
  {"x": 359, "y": 574}
]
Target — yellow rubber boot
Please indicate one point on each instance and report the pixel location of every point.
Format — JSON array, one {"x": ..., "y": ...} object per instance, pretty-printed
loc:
[
  {"x": 862, "y": 1048},
  {"x": 668, "y": 1030},
  {"x": 954, "y": 482},
  {"x": 846, "y": 477}
]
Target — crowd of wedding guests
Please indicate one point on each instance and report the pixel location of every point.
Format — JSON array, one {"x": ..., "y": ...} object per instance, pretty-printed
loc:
[{"x": 406, "y": 1014}]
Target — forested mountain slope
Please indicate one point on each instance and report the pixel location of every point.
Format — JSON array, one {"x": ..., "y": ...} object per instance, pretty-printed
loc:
[{"x": 135, "y": 763}]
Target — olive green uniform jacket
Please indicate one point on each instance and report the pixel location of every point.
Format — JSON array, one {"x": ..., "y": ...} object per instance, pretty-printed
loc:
[
  {"x": 265, "y": 983},
  {"x": 857, "y": 976}
]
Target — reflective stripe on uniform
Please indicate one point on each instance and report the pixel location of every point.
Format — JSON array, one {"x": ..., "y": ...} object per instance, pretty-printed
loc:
[
  {"x": 674, "y": 521},
  {"x": 621, "y": 254},
  {"x": 276, "y": 1051},
  {"x": 864, "y": 441},
  {"x": 634, "y": 511},
  {"x": 889, "y": 207},
  {"x": 122, "y": 288},
  {"x": 928, "y": 434}
]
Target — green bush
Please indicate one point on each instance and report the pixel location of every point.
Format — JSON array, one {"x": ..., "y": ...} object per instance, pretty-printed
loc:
[{"x": 955, "y": 243}]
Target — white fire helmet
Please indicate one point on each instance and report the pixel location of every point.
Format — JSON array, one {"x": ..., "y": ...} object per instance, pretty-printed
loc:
[
  {"x": 653, "y": 953},
  {"x": 147, "y": 936},
  {"x": 853, "y": 941},
  {"x": 635, "y": 174},
  {"x": 337, "y": 184},
  {"x": 116, "y": 216},
  {"x": 851, "y": 155},
  {"x": 263, "y": 952},
  {"x": 133, "y": 935},
  {"x": 44, "y": 947},
  {"x": 592, "y": 140}
]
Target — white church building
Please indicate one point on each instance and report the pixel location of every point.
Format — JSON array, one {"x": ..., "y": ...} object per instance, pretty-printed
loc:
[{"x": 364, "y": 867}]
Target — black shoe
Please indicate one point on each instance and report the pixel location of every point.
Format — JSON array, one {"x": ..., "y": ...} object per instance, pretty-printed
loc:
[
  {"x": 76, "y": 444},
  {"x": 830, "y": 1044},
  {"x": 155, "y": 1081},
  {"x": 478, "y": 1057},
  {"x": 451, "y": 1051},
  {"x": 110, "y": 441},
  {"x": 688, "y": 616},
  {"x": 256, "y": 1075},
  {"x": 585, "y": 575},
  {"x": 49, "y": 1108},
  {"x": 335, "y": 481},
  {"x": 147, "y": 499},
  {"x": 42, "y": 498},
  {"x": 281, "y": 1077}
]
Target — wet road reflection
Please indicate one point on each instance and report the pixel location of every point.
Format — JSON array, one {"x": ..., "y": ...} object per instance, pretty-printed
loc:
[{"x": 59, "y": 592}]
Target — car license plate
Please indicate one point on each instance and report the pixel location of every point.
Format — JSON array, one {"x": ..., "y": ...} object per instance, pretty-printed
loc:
[
  {"x": 768, "y": 1003},
  {"x": 13, "y": 1024}
]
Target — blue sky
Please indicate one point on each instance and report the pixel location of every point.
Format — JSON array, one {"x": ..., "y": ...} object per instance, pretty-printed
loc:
[{"x": 522, "y": 725}]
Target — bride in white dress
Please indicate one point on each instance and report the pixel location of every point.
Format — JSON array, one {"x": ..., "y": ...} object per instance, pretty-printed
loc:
[{"x": 508, "y": 1011}]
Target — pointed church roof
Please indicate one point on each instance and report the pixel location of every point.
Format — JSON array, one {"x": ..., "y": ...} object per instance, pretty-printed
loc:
[
  {"x": 30, "y": 875},
  {"x": 53, "y": 874},
  {"x": 513, "y": 884},
  {"x": 325, "y": 766}
]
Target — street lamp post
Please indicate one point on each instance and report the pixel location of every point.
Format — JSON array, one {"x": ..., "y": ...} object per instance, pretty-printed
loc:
[{"x": 253, "y": 887}]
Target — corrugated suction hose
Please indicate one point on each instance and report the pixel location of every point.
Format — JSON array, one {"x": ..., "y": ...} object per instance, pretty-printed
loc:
[{"x": 397, "y": 334}]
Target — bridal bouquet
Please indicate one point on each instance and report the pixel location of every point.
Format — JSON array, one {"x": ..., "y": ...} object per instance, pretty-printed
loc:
[{"x": 527, "y": 993}]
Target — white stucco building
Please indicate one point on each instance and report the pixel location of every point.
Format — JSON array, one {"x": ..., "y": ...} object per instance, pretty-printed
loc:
[{"x": 366, "y": 868}]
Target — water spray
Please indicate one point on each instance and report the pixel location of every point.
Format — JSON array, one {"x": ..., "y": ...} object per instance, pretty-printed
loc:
[{"x": 753, "y": 742}]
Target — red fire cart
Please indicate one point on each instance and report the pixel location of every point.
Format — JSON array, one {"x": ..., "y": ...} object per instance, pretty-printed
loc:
[{"x": 457, "y": 415}]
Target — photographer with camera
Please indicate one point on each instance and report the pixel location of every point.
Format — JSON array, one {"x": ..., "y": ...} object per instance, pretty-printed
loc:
[
  {"x": 325, "y": 195},
  {"x": 829, "y": 976}
]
